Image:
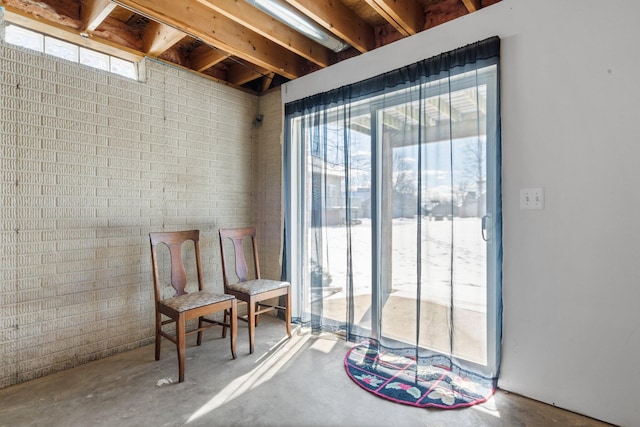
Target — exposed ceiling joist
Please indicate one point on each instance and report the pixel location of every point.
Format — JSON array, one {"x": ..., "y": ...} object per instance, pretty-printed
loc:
[
  {"x": 72, "y": 35},
  {"x": 157, "y": 38},
  {"x": 338, "y": 19},
  {"x": 471, "y": 5},
  {"x": 240, "y": 74},
  {"x": 236, "y": 41},
  {"x": 266, "y": 83},
  {"x": 248, "y": 16},
  {"x": 94, "y": 12},
  {"x": 406, "y": 16},
  {"x": 215, "y": 29},
  {"x": 204, "y": 57}
]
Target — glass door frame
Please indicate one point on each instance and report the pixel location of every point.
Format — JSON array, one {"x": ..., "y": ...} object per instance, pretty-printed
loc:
[{"x": 295, "y": 186}]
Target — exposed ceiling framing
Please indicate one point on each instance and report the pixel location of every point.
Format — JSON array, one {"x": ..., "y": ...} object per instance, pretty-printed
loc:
[{"x": 231, "y": 40}]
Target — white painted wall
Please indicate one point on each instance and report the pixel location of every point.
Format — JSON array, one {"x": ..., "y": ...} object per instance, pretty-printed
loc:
[{"x": 570, "y": 110}]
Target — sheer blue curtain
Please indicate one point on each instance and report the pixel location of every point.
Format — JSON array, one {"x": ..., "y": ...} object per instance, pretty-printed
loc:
[{"x": 393, "y": 209}]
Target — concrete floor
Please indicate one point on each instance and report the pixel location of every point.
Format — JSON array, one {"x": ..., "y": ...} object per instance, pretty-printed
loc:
[{"x": 296, "y": 382}]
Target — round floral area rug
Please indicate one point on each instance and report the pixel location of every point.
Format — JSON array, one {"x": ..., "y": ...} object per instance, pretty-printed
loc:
[{"x": 433, "y": 382}]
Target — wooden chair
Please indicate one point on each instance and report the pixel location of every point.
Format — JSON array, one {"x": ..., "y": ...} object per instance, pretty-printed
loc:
[
  {"x": 254, "y": 290},
  {"x": 184, "y": 306}
]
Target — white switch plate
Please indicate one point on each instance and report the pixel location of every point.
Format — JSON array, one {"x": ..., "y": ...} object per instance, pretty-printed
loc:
[{"x": 532, "y": 198}]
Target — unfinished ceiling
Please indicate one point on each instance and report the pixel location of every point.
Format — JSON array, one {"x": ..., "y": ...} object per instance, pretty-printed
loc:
[{"x": 232, "y": 40}]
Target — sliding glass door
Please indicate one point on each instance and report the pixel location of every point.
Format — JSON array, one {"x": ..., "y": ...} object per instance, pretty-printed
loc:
[
  {"x": 394, "y": 214},
  {"x": 433, "y": 202}
]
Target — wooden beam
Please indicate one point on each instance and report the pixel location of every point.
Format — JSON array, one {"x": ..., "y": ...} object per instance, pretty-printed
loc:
[
  {"x": 266, "y": 82},
  {"x": 93, "y": 12},
  {"x": 157, "y": 38},
  {"x": 472, "y": 5},
  {"x": 213, "y": 28},
  {"x": 246, "y": 15},
  {"x": 406, "y": 16},
  {"x": 204, "y": 57},
  {"x": 338, "y": 19},
  {"x": 78, "y": 37},
  {"x": 240, "y": 73}
]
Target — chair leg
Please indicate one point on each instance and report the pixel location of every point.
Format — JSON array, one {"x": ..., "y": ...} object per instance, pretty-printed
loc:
[
  {"x": 233, "y": 325},
  {"x": 180, "y": 344},
  {"x": 200, "y": 323},
  {"x": 257, "y": 315},
  {"x": 226, "y": 322},
  {"x": 251, "y": 317},
  {"x": 158, "y": 336}
]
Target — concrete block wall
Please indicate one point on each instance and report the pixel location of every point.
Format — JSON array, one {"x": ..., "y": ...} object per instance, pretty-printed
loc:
[{"x": 91, "y": 163}]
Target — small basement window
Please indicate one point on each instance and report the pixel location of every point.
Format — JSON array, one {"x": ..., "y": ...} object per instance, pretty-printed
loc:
[{"x": 62, "y": 49}]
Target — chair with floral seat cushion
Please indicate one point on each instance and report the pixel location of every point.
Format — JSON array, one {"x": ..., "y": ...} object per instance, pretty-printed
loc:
[
  {"x": 251, "y": 288},
  {"x": 184, "y": 306}
]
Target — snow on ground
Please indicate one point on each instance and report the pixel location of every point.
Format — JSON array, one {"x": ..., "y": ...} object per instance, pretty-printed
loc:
[{"x": 467, "y": 260}]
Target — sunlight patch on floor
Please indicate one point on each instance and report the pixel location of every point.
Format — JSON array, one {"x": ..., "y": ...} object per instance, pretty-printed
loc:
[
  {"x": 489, "y": 407},
  {"x": 324, "y": 345},
  {"x": 268, "y": 365}
]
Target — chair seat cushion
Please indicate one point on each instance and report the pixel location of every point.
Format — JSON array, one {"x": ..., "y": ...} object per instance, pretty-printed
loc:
[
  {"x": 194, "y": 300},
  {"x": 258, "y": 286}
]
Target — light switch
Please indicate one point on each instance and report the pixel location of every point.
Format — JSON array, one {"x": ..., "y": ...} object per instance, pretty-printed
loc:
[{"x": 532, "y": 198}]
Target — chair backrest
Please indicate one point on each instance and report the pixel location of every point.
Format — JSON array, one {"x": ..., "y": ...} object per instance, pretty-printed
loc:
[
  {"x": 237, "y": 237},
  {"x": 174, "y": 241}
]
